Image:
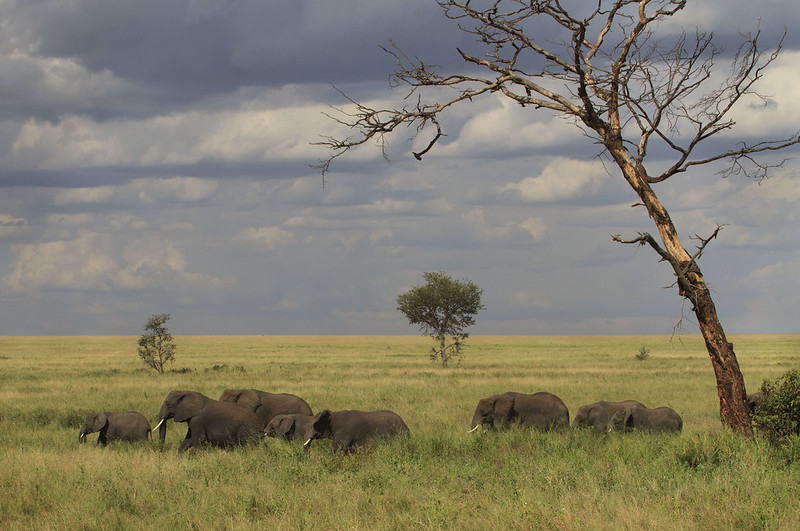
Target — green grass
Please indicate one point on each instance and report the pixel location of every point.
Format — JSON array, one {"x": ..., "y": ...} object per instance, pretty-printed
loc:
[{"x": 438, "y": 478}]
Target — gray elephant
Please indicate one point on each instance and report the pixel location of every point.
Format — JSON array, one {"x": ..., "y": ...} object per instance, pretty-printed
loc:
[
  {"x": 644, "y": 418},
  {"x": 290, "y": 427},
  {"x": 541, "y": 410},
  {"x": 350, "y": 429},
  {"x": 115, "y": 426},
  {"x": 754, "y": 400},
  {"x": 209, "y": 421},
  {"x": 267, "y": 405},
  {"x": 598, "y": 414}
]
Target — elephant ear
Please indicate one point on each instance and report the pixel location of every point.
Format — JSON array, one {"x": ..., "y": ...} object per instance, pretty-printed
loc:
[
  {"x": 189, "y": 406},
  {"x": 100, "y": 421},
  {"x": 249, "y": 399},
  {"x": 286, "y": 426},
  {"x": 628, "y": 420},
  {"x": 321, "y": 424},
  {"x": 621, "y": 420},
  {"x": 504, "y": 408}
]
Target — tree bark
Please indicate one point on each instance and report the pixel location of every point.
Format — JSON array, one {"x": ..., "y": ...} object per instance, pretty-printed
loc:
[{"x": 730, "y": 383}]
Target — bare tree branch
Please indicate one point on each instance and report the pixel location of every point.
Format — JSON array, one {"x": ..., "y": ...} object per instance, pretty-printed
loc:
[{"x": 626, "y": 89}]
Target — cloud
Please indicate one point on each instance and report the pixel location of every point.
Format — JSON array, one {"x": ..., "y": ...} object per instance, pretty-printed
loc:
[
  {"x": 561, "y": 179},
  {"x": 535, "y": 227},
  {"x": 506, "y": 128},
  {"x": 270, "y": 239},
  {"x": 155, "y": 155},
  {"x": 88, "y": 263},
  {"x": 79, "y": 264},
  {"x": 780, "y": 115},
  {"x": 246, "y": 133}
]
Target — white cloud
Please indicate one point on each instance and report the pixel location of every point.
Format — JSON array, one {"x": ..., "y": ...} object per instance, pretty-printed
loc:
[
  {"x": 243, "y": 133},
  {"x": 781, "y": 83},
  {"x": 505, "y": 128},
  {"x": 535, "y": 227},
  {"x": 97, "y": 194},
  {"x": 88, "y": 263},
  {"x": 10, "y": 224},
  {"x": 184, "y": 189},
  {"x": 562, "y": 179},
  {"x": 270, "y": 239},
  {"x": 79, "y": 264}
]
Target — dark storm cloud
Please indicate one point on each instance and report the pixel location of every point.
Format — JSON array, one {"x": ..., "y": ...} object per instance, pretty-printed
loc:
[{"x": 171, "y": 53}]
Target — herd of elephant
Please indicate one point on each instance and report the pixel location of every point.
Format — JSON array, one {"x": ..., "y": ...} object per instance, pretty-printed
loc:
[{"x": 241, "y": 416}]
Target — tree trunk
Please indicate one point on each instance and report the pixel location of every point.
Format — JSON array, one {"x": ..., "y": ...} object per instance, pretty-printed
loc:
[
  {"x": 691, "y": 284},
  {"x": 730, "y": 383},
  {"x": 443, "y": 352}
]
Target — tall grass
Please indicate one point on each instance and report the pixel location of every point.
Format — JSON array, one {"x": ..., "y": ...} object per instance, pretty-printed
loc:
[{"x": 438, "y": 478}]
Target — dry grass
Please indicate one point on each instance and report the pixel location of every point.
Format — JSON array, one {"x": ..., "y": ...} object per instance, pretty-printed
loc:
[{"x": 439, "y": 478}]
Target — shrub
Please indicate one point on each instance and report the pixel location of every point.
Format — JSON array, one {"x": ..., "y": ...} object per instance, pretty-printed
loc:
[{"x": 777, "y": 415}]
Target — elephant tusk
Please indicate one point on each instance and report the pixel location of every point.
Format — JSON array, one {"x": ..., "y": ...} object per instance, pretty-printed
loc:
[
  {"x": 305, "y": 444},
  {"x": 158, "y": 425},
  {"x": 474, "y": 429}
]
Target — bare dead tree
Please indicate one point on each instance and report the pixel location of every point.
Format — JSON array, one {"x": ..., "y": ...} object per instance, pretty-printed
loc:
[{"x": 627, "y": 90}]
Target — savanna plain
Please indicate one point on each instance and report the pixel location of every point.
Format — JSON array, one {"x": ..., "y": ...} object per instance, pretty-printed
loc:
[{"x": 440, "y": 477}]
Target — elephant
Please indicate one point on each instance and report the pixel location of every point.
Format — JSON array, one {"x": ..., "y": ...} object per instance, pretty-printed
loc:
[
  {"x": 267, "y": 405},
  {"x": 598, "y": 414},
  {"x": 754, "y": 400},
  {"x": 540, "y": 410},
  {"x": 115, "y": 426},
  {"x": 350, "y": 429},
  {"x": 290, "y": 427},
  {"x": 217, "y": 423},
  {"x": 643, "y": 418}
]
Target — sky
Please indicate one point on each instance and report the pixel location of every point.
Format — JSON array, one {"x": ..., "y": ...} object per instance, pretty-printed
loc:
[{"x": 157, "y": 157}]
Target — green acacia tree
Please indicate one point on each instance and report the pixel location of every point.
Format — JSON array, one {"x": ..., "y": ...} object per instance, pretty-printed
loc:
[
  {"x": 155, "y": 344},
  {"x": 443, "y": 308}
]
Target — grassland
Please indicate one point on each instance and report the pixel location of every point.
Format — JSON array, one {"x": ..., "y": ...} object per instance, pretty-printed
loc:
[{"x": 439, "y": 478}]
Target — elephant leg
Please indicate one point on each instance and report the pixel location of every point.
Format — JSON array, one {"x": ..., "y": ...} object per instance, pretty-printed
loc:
[{"x": 188, "y": 441}]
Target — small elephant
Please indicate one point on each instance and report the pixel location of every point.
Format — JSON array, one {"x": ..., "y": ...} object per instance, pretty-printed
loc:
[
  {"x": 217, "y": 423},
  {"x": 598, "y": 414},
  {"x": 290, "y": 427},
  {"x": 350, "y": 429},
  {"x": 643, "y": 418},
  {"x": 115, "y": 426},
  {"x": 541, "y": 410},
  {"x": 267, "y": 405},
  {"x": 754, "y": 400}
]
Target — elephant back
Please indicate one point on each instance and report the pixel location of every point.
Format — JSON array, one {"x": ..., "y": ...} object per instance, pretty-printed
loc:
[{"x": 541, "y": 410}]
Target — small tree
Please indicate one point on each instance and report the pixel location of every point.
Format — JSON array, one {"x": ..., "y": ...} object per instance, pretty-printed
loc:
[
  {"x": 442, "y": 307},
  {"x": 155, "y": 344},
  {"x": 643, "y": 354}
]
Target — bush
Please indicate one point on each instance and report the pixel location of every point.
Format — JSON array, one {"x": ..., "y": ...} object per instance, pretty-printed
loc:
[{"x": 777, "y": 414}]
